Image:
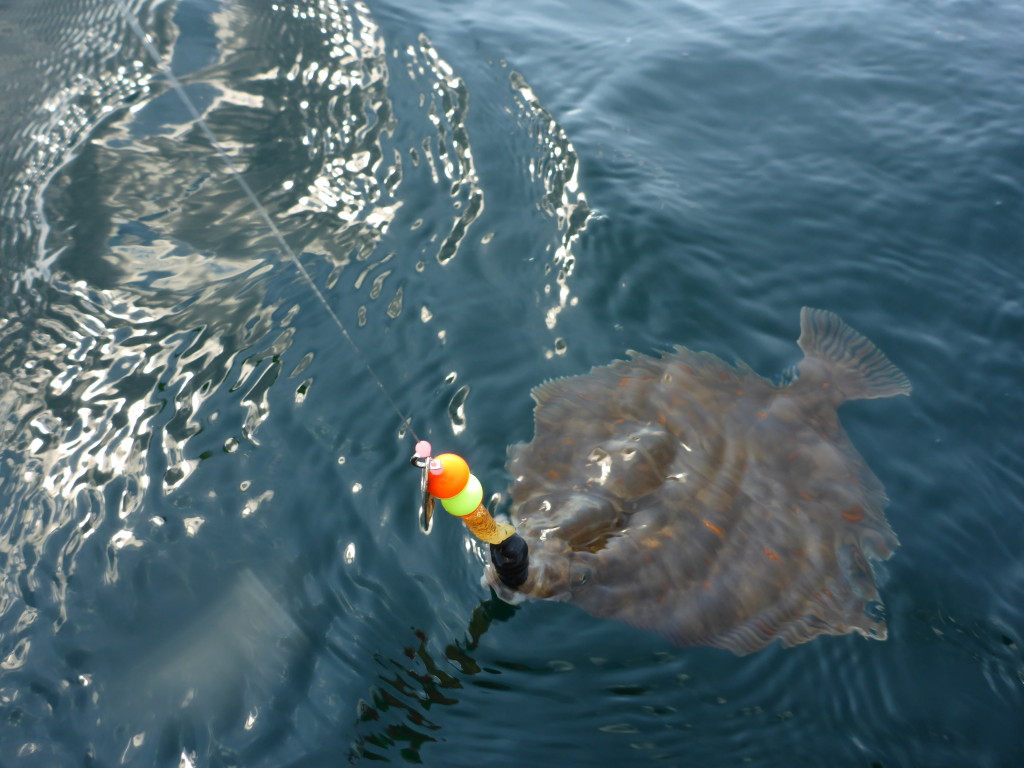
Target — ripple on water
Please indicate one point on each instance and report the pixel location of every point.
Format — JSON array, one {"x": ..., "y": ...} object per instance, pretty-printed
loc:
[{"x": 159, "y": 354}]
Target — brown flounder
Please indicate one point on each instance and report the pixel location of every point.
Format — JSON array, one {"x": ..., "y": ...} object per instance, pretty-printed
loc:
[{"x": 696, "y": 499}]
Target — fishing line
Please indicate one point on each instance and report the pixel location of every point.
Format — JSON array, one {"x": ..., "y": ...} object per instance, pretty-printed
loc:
[
  {"x": 447, "y": 477},
  {"x": 261, "y": 211}
]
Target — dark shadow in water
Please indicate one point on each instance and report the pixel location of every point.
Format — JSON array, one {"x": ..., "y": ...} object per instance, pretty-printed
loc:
[{"x": 393, "y": 717}]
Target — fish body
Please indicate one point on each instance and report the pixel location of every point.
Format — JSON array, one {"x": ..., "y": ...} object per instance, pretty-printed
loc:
[{"x": 696, "y": 499}]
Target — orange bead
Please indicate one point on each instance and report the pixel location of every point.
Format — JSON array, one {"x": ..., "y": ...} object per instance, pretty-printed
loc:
[{"x": 448, "y": 475}]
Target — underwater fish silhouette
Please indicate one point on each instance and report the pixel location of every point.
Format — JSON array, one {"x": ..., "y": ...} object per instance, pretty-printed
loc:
[{"x": 696, "y": 499}]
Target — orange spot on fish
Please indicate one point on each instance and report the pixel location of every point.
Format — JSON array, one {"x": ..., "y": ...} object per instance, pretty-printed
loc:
[
  {"x": 553, "y": 474},
  {"x": 568, "y": 441},
  {"x": 826, "y": 383},
  {"x": 647, "y": 557},
  {"x": 798, "y": 552},
  {"x": 723, "y": 375},
  {"x": 624, "y": 381},
  {"x": 620, "y": 421},
  {"x": 792, "y": 456},
  {"x": 854, "y": 514},
  {"x": 661, "y": 419},
  {"x": 707, "y": 586},
  {"x": 713, "y": 527},
  {"x": 770, "y": 554},
  {"x": 739, "y": 391},
  {"x": 765, "y": 628},
  {"x": 762, "y": 415},
  {"x": 806, "y": 496}
]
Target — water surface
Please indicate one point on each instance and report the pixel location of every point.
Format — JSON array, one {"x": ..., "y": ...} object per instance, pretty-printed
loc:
[{"x": 209, "y": 552}]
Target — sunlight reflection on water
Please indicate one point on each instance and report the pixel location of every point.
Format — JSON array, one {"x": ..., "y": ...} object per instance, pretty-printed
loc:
[{"x": 161, "y": 315}]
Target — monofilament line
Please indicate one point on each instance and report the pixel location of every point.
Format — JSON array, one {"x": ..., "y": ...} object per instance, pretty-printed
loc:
[{"x": 261, "y": 211}]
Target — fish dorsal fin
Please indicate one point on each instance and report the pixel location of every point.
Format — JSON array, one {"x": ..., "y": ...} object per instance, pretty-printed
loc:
[{"x": 852, "y": 362}]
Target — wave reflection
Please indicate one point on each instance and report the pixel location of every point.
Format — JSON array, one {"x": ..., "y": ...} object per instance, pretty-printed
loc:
[
  {"x": 558, "y": 172},
  {"x": 154, "y": 340}
]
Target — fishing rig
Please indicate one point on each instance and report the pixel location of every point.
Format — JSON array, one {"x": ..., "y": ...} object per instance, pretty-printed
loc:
[{"x": 445, "y": 477}]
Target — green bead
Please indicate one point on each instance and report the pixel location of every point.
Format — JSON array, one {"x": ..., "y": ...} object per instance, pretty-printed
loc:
[{"x": 467, "y": 500}]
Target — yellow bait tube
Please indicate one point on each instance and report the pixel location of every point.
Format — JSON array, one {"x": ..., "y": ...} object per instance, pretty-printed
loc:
[{"x": 485, "y": 527}]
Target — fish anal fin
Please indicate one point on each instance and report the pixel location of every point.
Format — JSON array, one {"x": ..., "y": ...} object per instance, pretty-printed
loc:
[{"x": 846, "y": 359}]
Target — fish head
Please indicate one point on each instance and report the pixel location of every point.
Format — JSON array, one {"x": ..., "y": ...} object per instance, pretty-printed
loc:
[{"x": 563, "y": 531}]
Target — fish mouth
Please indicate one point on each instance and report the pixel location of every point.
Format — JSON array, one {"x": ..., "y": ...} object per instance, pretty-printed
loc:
[
  {"x": 578, "y": 524},
  {"x": 548, "y": 577}
]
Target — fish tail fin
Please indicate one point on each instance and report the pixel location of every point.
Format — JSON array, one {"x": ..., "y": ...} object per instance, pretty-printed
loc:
[{"x": 846, "y": 359}]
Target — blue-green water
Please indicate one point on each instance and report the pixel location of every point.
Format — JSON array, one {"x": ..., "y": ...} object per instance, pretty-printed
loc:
[{"x": 209, "y": 552}]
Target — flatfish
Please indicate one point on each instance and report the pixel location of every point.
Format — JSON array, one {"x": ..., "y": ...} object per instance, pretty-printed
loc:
[{"x": 693, "y": 498}]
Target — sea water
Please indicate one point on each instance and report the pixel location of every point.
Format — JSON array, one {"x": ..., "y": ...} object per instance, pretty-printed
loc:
[{"x": 209, "y": 550}]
